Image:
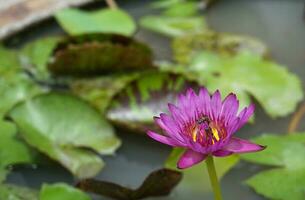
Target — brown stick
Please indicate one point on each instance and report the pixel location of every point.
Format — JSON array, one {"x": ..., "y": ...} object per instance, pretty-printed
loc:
[
  {"x": 295, "y": 120},
  {"x": 112, "y": 4}
]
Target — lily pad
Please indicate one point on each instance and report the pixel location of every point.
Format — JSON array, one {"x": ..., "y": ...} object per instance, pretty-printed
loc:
[
  {"x": 16, "y": 88},
  {"x": 97, "y": 54},
  {"x": 35, "y": 56},
  {"x": 196, "y": 179},
  {"x": 185, "y": 47},
  {"x": 182, "y": 9},
  {"x": 61, "y": 191},
  {"x": 76, "y": 22},
  {"x": 134, "y": 107},
  {"x": 60, "y": 125},
  {"x": 9, "y": 63},
  {"x": 158, "y": 183},
  {"x": 12, "y": 149},
  {"x": 173, "y": 26},
  {"x": 14, "y": 192},
  {"x": 287, "y": 154},
  {"x": 272, "y": 85},
  {"x": 100, "y": 91}
]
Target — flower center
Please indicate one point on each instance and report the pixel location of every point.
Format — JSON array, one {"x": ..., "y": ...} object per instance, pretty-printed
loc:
[{"x": 205, "y": 131}]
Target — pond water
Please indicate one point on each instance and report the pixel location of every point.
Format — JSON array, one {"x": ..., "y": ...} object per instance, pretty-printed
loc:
[{"x": 278, "y": 23}]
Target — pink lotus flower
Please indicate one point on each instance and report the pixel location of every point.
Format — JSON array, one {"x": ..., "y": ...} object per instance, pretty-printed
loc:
[{"x": 204, "y": 125}]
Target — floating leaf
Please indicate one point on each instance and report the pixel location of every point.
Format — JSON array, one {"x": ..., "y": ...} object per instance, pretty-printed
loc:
[
  {"x": 13, "y": 150},
  {"x": 196, "y": 179},
  {"x": 61, "y": 191},
  {"x": 100, "y": 91},
  {"x": 187, "y": 46},
  {"x": 287, "y": 153},
  {"x": 35, "y": 56},
  {"x": 16, "y": 89},
  {"x": 96, "y": 54},
  {"x": 60, "y": 125},
  {"x": 76, "y": 22},
  {"x": 158, "y": 183},
  {"x": 14, "y": 192},
  {"x": 277, "y": 90},
  {"x": 135, "y": 106},
  {"x": 182, "y": 9},
  {"x": 164, "y": 3},
  {"x": 173, "y": 26},
  {"x": 9, "y": 63}
]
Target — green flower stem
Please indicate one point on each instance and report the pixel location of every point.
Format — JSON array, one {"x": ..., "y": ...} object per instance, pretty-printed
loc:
[{"x": 213, "y": 178}]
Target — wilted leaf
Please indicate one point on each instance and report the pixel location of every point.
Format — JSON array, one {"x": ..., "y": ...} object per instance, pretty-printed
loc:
[
  {"x": 196, "y": 179},
  {"x": 187, "y": 46},
  {"x": 96, "y": 54},
  {"x": 100, "y": 91},
  {"x": 76, "y": 22},
  {"x": 158, "y": 183},
  {"x": 60, "y": 125},
  {"x": 135, "y": 106},
  {"x": 276, "y": 89},
  {"x": 14, "y": 192},
  {"x": 61, "y": 191},
  {"x": 173, "y": 26},
  {"x": 35, "y": 56},
  {"x": 287, "y": 153}
]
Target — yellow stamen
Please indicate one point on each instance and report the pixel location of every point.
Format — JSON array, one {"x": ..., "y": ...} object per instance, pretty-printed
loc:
[
  {"x": 215, "y": 134},
  {"x": 194, "y": 134}
]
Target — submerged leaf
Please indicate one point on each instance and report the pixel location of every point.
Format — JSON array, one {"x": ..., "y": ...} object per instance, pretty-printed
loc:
[
  {"x": 173, "y": 26},
  {"x": 196, "y": 179},
  {"x": 62, "y": 191},
  {"x": 35, "y": 56},
  {"x": 97, "y": 54},
  {"x": 187, "y": 46},
  {"x": 245, "y": 74},
  {"x": 287, "y": 153},
  {"x": 76, "y": 22},
  {"x": 60, "y": 125},
  {"x": 100, "y": 91},
  {"x": 158, "y": 183},
  {"x": 14, "y": 192},
  {"x": 134, "y": 107}
]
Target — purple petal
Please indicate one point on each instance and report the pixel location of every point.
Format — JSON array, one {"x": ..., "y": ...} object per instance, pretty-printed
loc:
[
  {"x": 163, "y": 139},
  {"x": 204, "y": 101},
  {"x": 190, "y": 158},
  {"x": 215, "y": 105},
  {"x": 237, "y": 145},
  {"x": 246, "y": 114},
  {"x": 229, "y": 108},
  {"x": 187, "y": 104},
  {"x": 169, "y": 125},
  {"x": 177, "y": 115},
  {"x": 222, "y": 153}
]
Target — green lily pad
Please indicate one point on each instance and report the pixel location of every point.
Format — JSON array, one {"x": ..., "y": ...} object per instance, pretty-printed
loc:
[
  {"x": 12, "y": 149},
  {"x": 17, "y": 89},
  {"x": 173, "y": 26},
  {"x": 196, "y": 179},
  {"x": 97, "y": 54},
  {"x": 186, "y": 47},
  {"x": 60, "y": 125},
  {"x": 9, "y": 63},
  {"x": 276, "y": 89},
  {"x": 61, "y": 191},
  {"x": 100, "y": 91},
  {"x": 134, "y": 107},
  {"x": 76, "y": 22},
  {"x": 182, "y": 9},
  {"x": 157, "y": 183},
  {"x": 14, "y": 192},
  {"x": 287, "y": 154},
  {"x": 35, "y": 56}
]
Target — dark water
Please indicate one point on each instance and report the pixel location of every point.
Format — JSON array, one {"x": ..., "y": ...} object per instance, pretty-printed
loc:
[{"x": 278, "y": 23}]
